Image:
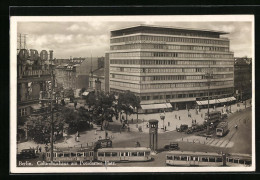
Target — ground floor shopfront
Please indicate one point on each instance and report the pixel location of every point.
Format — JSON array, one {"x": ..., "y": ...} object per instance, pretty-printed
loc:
[{"x": 196, "y": 104}]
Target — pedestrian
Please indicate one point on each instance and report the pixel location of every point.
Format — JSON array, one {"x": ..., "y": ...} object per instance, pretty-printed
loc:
[
  {"x": 179, "y": 117},
  {"x": 40, "y": 149},
  {"x": 195, "y": 121},
  {"x": 165, "y": 128},
  {"x": 106, "y": 134}
]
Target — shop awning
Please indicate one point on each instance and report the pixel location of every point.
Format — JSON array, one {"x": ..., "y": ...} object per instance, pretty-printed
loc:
[
  {"x": 85, "y": 93},
  {"x": 36, "y": 106},
  {"x": 202, "y": 102},
  {"x": 156, "y": 106},
  {"x": 216, "y": 101},
  {"x": 223, "y": 100}
]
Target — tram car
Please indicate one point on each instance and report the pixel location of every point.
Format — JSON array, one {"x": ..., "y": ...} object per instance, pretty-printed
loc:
[
  {"x": 210, "y": 159},
  {"x": 187, "y": 158},
  {"x": 239, "y": 160},
  {"x": 124, "y": 154},
  {"x": 71, "y": 155},
  {"x": 222, "y": 128}
]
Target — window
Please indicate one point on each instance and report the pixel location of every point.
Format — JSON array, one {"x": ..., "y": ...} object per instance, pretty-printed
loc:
[
  {"x": 211, "y": 159},
  {"x": 134, "y": 153},
  {"x": 59, "y": 154},
  {"x": 241, "y": 161},
  {"x": 177, "y": 158},
  {"x": 100, "y": 154},
  {"x": 248, "y": 162},
  {"x": 141, "y": 154},
  {"x": 204, "y": 159},
  {"x": 107, "y": 154},
  {"x": 114, "y": 153},
  {"x": 66, "y": 154},
  {"x": 169, "y": 157},
  {"x": 193, "y": 158},
  {"x": 184, "y": 158},
  {"x": 73, "y": 154},
  {"x": 219, "y": 159}
]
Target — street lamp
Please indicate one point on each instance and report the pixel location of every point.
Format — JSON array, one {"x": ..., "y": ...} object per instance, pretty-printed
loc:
[
  {"x": 162, "y": 116},
  {"x": 208, "y": 76}
]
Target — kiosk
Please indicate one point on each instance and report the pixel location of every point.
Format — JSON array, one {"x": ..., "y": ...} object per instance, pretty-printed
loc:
[{"x": 153, "y": 134}]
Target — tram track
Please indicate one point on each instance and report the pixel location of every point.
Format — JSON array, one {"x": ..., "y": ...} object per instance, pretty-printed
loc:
[{"x": 226, "y": 140}]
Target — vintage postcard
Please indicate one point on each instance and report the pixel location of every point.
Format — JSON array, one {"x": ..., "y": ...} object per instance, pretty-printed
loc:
[{"x": 132, "y": 94}]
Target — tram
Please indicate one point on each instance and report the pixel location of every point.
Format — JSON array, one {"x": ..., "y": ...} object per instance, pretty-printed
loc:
[
  {"x": 211, "y": 159},
  {"x": 102, "y": 154},
  {"x": 222, "y": 129},
  {"x": 71, "y": 155},
  {"x": 239, "y": 160},
  {"x": 124, "y": 154},
  {"x": 187, "y": 158}
]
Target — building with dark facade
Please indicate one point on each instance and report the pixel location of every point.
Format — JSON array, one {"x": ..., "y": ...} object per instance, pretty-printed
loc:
[
  {"x": 243, "y": 78},
  {"x": 169, "y": 65},
  {"x": 33, "y": 76}
]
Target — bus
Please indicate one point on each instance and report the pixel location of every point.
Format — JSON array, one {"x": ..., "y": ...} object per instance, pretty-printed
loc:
[
  {"x": 124, "y": 154},
  {"x": 187, "y": 158},
  {"x": 222, "y": 128},
  {"x": 71, "y": 155}
]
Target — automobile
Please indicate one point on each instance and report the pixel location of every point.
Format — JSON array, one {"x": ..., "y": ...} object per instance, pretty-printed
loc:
[
  {"x": 27, "y": 154},
  {"x": 189, "y": 130},
  {"x": 182, "y": 128},
  {"x": 197, "y": 128},
  {"x": 172, "y": 146}
]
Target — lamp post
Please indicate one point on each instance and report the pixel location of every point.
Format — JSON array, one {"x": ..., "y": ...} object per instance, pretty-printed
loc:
[
  {"x": 208, "y": 76},
  {"x": 162, "y": 116}
]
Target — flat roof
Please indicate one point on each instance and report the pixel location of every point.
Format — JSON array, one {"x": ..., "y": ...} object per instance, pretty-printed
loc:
[{"x": 169, "y": 27}]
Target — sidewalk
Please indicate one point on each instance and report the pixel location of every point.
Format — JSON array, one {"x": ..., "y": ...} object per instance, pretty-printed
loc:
[
  {"x": 91, "y": 136},
  {"x": 171, "y": 122}
]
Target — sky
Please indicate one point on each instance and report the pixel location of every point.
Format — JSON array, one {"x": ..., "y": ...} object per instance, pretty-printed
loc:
[{"x": 83, "y": 39}]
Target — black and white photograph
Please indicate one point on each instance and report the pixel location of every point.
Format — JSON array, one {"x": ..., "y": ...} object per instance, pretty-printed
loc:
[{"x": 132, "y": 94}]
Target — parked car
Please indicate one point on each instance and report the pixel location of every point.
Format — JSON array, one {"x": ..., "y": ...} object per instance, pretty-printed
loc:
[
  {"x": 172, "y": 146},
  {"x": 182, "y": 128},
  {"x": 27, "y": 154}
]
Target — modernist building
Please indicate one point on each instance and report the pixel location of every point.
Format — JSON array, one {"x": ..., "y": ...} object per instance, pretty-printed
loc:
[{"x": 166, "y": 64}]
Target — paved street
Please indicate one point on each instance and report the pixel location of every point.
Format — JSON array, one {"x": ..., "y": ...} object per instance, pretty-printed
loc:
[{"x": 235, "y": 141}]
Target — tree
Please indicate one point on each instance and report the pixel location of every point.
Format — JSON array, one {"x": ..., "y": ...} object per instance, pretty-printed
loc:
[
  {"x": 82, "y": 91},
  {"x": 69, "y": 93},
  {"x": 91, "y": 99},
  {"x": 127, "y": 102},
  {"x": 103, "y": 105}
]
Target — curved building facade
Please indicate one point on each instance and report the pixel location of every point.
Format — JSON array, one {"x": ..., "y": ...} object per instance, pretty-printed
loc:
[{"x": 165, "y": 64}]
